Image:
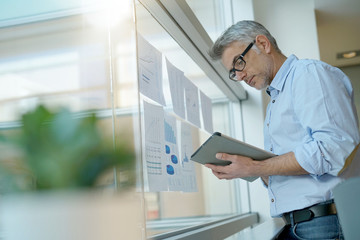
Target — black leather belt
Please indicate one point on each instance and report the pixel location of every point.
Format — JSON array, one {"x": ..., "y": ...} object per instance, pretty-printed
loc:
[{"x": 306, "y": 214}]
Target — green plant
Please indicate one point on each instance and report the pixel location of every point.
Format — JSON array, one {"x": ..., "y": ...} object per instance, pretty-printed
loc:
[{"x": 54, "y": 150}]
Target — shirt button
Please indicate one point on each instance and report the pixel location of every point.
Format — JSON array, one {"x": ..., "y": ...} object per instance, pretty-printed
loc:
[
  {"x": 273, "y": 101},
  {"x": 271, "y": 149},
  {"x": 267, "y": 124},
  {"x": 272, "y": 200}
]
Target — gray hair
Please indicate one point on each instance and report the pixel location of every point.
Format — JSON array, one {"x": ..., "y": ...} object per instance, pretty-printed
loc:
[{"x": 244, "y": 32}]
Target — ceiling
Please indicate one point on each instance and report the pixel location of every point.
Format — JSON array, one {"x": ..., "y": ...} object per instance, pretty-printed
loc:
[{"x": 338, "y": 24}]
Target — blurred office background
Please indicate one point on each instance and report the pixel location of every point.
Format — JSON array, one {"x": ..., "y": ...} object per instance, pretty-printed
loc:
[{"x": 82, "y": 54}]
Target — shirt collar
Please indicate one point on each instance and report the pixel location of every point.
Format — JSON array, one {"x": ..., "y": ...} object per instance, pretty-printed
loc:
[{"x": 280, "y": 77}]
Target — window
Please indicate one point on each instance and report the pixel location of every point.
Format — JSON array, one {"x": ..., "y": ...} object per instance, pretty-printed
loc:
[
  {"x": 169, "y": 211},
  {"x": 83, "y": 56}
]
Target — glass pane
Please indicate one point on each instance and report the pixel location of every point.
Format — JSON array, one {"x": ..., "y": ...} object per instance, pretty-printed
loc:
[
  {"x": 166, "y": 211},
  {"x": 211, "y": 15},
  {"x": 75, "y": 54},
  {"x": 83, "y": 57}
]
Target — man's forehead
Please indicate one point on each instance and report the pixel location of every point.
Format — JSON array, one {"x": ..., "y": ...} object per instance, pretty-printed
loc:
[
  {"x": 236, "y": 47},
  {"x": 233, "y": 50}
]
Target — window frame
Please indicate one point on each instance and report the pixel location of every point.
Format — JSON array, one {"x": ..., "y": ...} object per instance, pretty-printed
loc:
[{"x": 177, "y": 18}]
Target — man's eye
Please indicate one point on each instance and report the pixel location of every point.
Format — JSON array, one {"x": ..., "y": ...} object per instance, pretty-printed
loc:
[{"x": 238, "y": 63}]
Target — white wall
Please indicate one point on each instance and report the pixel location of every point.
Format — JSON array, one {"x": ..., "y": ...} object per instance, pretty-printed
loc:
[
  {"x": 353, "y": 72},
  {"x": 292, "y": 23}
]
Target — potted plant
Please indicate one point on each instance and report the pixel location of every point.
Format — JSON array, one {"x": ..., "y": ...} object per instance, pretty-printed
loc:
[{"x": 49, "y": 173}]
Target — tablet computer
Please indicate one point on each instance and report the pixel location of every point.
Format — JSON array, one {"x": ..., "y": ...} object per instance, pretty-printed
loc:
[{"x": 219, "y": 142}]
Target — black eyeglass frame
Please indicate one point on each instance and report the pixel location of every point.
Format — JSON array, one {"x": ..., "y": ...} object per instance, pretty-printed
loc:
[{"x": 232, "y": 72}]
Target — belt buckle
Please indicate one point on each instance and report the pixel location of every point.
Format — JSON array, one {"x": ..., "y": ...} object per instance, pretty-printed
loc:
[
  {"x": 302, "y": 215},
  {"x": 309, "y": 213}
]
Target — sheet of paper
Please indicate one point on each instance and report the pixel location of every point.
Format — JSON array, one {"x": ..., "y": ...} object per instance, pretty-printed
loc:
[
  {"x": 192, "y": 102},
  {"x": 206, "y": 110},
  {"x": 188, "y": 167},
  {"x": 173, "y": 161},
  {"x": 176, "y": 88},
  {"x": 150, "y": 71},
  {"x": 154, "y": 147}
]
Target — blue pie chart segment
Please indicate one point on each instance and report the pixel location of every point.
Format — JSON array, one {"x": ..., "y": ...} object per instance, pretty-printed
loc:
[
  {"x": 170, "y": 169},
  {"x": 174, "y": 159},
  {"x": 167, "y": 149}
]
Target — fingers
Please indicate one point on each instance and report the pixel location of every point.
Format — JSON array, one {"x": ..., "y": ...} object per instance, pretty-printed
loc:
[
  {"x": 240, "y": 166},
  {"x": 222, "y": 156},
  {"x": 216, "y": 168},
  {"x": 222, "y": 172},
  {"x": 218, "y": 171},
  {"x": 227, "y": 157},
  {"x": 219, "y": 156},
  {"x": 221, "y": 175}
]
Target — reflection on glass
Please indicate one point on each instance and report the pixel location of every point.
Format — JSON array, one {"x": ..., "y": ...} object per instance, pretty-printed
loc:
[
  {"x": 214, "y": 16},
  {"x": 83, "y": 56},
  {"x": 58, "y": 53},
  {"x": 77, "y": 60},
  {"x": 213, "y": 198}
]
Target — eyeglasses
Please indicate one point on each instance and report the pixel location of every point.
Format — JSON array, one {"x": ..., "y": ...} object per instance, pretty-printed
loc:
[{"x": 239, "y": 63}]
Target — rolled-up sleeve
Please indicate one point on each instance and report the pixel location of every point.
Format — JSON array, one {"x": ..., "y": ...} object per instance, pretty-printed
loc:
[{"x": 323, "y": 103}]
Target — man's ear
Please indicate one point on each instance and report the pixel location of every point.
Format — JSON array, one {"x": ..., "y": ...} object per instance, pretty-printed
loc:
[{"x": 263, "y": 43}]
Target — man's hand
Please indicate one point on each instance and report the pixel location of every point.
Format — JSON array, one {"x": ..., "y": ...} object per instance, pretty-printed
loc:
[{"x": 242, "y": 166}]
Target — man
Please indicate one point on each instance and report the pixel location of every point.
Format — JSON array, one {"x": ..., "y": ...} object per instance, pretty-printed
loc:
[{"x": 311, "y": 125}]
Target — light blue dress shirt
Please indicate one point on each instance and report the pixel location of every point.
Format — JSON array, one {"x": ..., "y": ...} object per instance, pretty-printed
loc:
[{"x": 311, "y": 113}]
